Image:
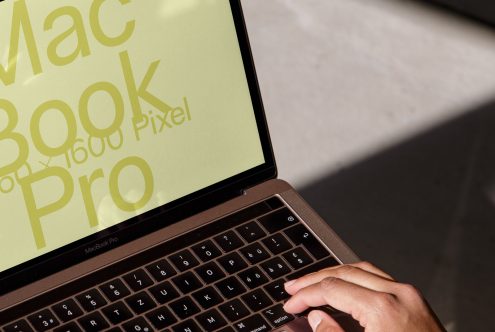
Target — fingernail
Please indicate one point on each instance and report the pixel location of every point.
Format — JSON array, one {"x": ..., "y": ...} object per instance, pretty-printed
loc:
[
  {"x": 289, "y": 283},
  {"x": 314, "y": 320}
]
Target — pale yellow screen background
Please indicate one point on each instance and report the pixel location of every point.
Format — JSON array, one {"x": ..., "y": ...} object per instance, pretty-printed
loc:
[{"x": 95, "y": 62}]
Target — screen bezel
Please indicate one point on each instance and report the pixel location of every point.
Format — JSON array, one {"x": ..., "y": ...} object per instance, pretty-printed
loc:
[{"x": 172, "y": 212}]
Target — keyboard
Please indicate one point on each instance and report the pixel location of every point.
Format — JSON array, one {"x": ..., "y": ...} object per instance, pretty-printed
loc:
[{"x": 225, "y": 276}]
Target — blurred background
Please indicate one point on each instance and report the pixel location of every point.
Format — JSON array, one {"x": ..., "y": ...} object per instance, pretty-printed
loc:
[{"x": 382, "y": 114}]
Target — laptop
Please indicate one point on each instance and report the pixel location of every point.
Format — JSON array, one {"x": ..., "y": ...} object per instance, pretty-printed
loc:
[{"x": 138, "y": 186}]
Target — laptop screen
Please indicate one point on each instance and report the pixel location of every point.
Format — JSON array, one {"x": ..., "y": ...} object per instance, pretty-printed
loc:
[{"x": 111, "y": 108}]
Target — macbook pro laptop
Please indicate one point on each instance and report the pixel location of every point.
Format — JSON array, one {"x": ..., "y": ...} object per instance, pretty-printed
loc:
[{"x": 138, "y": 187}]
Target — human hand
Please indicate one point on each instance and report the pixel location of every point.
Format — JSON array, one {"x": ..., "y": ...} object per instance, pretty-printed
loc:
[{"x": 369, "y": 295}]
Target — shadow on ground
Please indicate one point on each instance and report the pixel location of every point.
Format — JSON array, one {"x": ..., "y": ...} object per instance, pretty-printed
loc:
[{"x": 425, "y": 211}]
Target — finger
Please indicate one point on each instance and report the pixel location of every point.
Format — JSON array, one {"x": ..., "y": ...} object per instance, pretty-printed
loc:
[
  {"x": 348, "y": 273},
  {"x": 373, "y": 269},
  {"x": 322, "y": 322}
]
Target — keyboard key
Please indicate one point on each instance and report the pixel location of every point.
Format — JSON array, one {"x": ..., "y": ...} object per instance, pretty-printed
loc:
[
  {"x": 211, "y": 320},
  {"x": 91, "y": 300},
  {"x": 257, "y": 300},
  {"x": 274, "y": 203},
  {"x": 67, "y": 310},
  {"x": 327, "y": 262},
  {"x": 140, "y": 302},
  {"x": 184, "y": 260},
  {"x": 138, "y": 280},
  {"x": 187, "y": 282},
  {"x": 115, "y": 290},
  {"x": 227, "y": 329},
  {"x": 299, "y": 234},
  {"x": 277, "y": 316},
  {"x": 276, "y": 290},
  {"x": 161, "y": 318},
  {"x": 43, "y": 320},
  {"x": 19, "y": 326},
  {"x": 278, "y": 220},
  {"x": 230, "y": 287},
  {"x": 164, "y": 292},
  {"x": 114, "y": 329},
  {"x": 277, "y": 243},
  {"x": 251, "y": 231},
  {"x": 184, "y": 307},
  {"x": 234, "y": 310},
  {"x": 187, "y": 326},
  {"x": 255, "y": 253},
  {"x": 253, "y": 277},
  {"x": 228, "y": 241},
  {"x": 137, "y": 325},
  {"x": 210, "y": 272},
  {"x": 161, "y": 270},
  {"x": 253, "y": 323},
  {"x": 117, "y": 312},
  {"x": 70, "y": 327},
  {"x": 207, "y": 297},
  {"x": 93, "y": 322},
  {"x": 275, "y": 267},
  {"x": 298, "y": 258},
  {"x": 232, "y": 262},
  {"x": 206, "y": 251}
]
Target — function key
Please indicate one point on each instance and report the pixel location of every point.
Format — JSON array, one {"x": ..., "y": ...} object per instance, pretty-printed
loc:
[
  {"x": 164, "y": 292},
  {"x": 70, "y": 327},
  {"x": 277, "y": 316},
  {"x": 253, "y": 277},
  {"x": 93, "y": 322},
  {"x": 138, "y": 280},
  {"x": 91, "y": 300},
  {"x": 276, "y": 290},
  {"x": 206, "y": 250},
  {"x": 184, "y": 307},
  {"x": 115, "y": 290},
  {"x": 161, "y": 318},
  {"x": 232, "y": 262},
  {"x": 234, "y": 310},
  {"x": 19, "y": 326},
  {"x": 140, "y": 302},
  {"x": 230, "y": 287},
  {"x": 278, "y": 220},
  {"x": 137, "y": 325},
  {"x": 298, "y": 258},
  {"x": 251, "y": 231},
  {"x": 207, "y": 297},
  {"x": 187, "y": 326},
  {"x": 253, "y": 323},
  {"x": 277, "y": 243},
  {"x": 255, "y": 253},
  {"x": 301, "y": 235},
  {"x": 161, "y": 270},
  {"x": 257, "y": 300},
  {"x": 210, "y": 272},
  {"x": 67, "y": 310},
  {"x": 228, "y": 241},
  {"x": 187, "y": 282},
  {"x": 184, "y": 260},
  {"x": 211, "y": 320},
  {"x": 117, "y": 312},
  {"x": 43, "y": 320},
  {"x": 274, "y": 203}
]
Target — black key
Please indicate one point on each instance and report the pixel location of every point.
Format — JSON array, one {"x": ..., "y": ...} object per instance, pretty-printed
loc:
[
  {"x": 161, "y": 270},
  {"x": 234, "y": 310},
  {"x": 228, "y": 241},
  {"x": 137, "y": 325},
  {"x": 138, "y": 280},
  {"x": 114, "y": 329},
  {"x": 207, "y": 297},
  {"x": 275, "y": 267},
  {"x": 91, "y": 300},
  {"x": 299, "y": 234},
  {"x": 187, "y": 282},
  {"x": 277, "y": 316},
  {"x": 257, "y": 300},
  {"x": 298, "y": 258},
  {"x": 274, "y": 203},
  {"x": 253, "y": 323},
  {"x": 93, "y": 322},
  {"x": 278, "y": 220},
  {"x": 276, "y": 290},
  {"x": 67, "y": 310},
  {"x": 227, "y": 329},
  {"x": 327, "y": 262},
  {"x": 184, "y": 260},
  {"x": 230, "y": 287},
  {"x": 164, "y": 292},
  {"x": 251, "y": 231},
  {"x": 206, "y": 250},
  {"x": 210, "y": 272},
  {"x": 187, "y": 326},
  {"x": 70, "y": 327},
  {"x": 19, "y": 326},
  {"x": 115, "y": 290},
  {"x": 232, "y": 262},
  {"x": 253, "y": 277},
  {"x": 255, "y": 253},
  {"x": 211, "y": 320},
  {"x": 117, "y": 312},
  {"x": 43, "y": 320},
  {"x": 277, "y": 243},
  {"x": 140, "y": 302},
  {"x": 161, "y": 318},
  {"x": 184, "y": 307}
]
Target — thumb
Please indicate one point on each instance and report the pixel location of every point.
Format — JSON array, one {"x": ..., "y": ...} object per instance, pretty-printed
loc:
[{"x": 322, "y": 322}]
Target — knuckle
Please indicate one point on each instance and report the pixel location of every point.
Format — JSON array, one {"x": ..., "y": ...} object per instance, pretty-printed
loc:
[
  {"x": 385, "y": 302},
  {"x": 328, "y": 283},
  {"x": 345, "y": 270},
  {"x": 365, "y": 265},
  {"x": 409, "y": 291}
]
